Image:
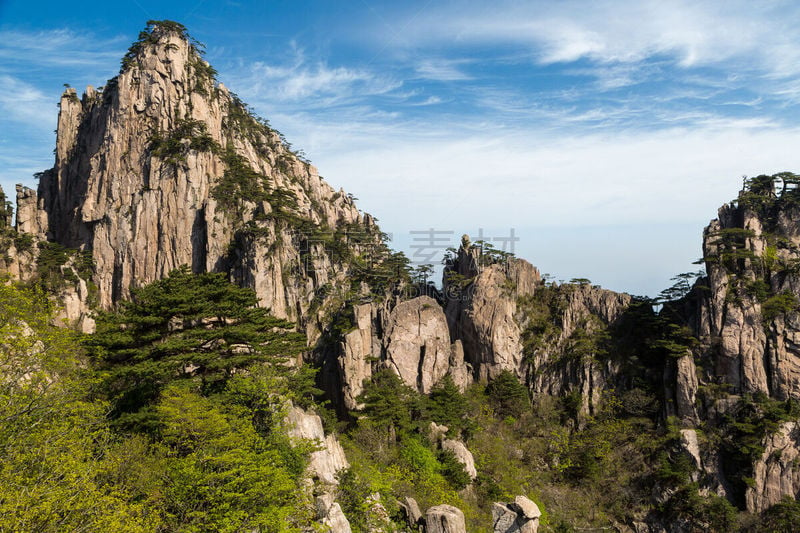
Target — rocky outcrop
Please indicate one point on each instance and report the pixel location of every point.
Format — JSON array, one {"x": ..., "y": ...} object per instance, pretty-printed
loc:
[
  {"x": 749, "y": 262},
  {"x": 30, "y": 219},
  {"x": 324, "y": 463},
  {"x": 413, "y": 515},
  {"x": 570, "y": 358},
  {"x": 331, "y": 515},
  {"x": 357, "y": 352},
  {"x": 744, "y": 311},
  {"x": 520, "y": 516},
  {"x": 445, "y": 519},
  {"x": 776, "y": 473},
  {"x": 506, "y": 318},
  {"x": 684, "y": 390},
  {"x": 417, "y": 343},
  {"x": 463, "y": 455},
  {"x": 481, "y": 304},
  {"x": 329, "y": 459},
  {"x": 408, "y": 337},
  {"x": 165, "y": 167}
]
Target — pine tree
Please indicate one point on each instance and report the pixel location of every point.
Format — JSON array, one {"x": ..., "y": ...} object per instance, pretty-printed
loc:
[{"x": 185, "y": 326}]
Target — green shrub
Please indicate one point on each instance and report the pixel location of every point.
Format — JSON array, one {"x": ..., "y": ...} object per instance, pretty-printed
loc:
[{"x": 508, "y": 396}]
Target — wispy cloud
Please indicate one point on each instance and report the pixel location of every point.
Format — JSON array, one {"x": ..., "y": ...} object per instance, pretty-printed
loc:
[
  {"x": 310, "y": 82},
  {"x": 59, "y": 48},
  {"x": 442, "y": 70},
  {"x": 691, "y": 33},
  {"x": 23, "y": 102}
]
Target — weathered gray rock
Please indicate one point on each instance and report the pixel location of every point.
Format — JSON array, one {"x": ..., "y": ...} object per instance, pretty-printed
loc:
[
  {"x": 412, "y": 512},
  {"x": 417, "y": 343},
  {"x": 357, "y": 351},
  {"x": 521, "y": 516},
  {"x": 777, "y": 472},
  {"x": 143, "y": 212},
  {"x": 30, "y": 218},
  {"x": 463, "y": 455},
  {"x": 330, "y": 458},
  {"x": 686, "y": 389},
  {"x": 336, "y": 520},
  {"x": 527, "y": 507},
  {"x": 481, "y": 307},
  {"x": 436, "y": 431},
  {"x": 445, "y": 519},
  {"x": 691, "y": 447},
  {"x": 459, "y": 370}
]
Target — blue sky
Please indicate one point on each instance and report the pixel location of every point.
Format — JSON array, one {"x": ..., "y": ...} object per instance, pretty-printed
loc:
[{"x": 606, "y": 134}]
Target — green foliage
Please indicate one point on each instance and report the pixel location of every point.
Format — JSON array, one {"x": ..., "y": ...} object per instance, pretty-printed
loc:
[
  {"x": 489, "y": 255},
  {"x": 352, "y": 495},
  {"x": 54, "y": 445},
  {"x": 56, "y": 266},
  {"x": 453, "y": 470},
  {"x": 389, "y": 403},
  {"x": 543, "y": 311},
  {"x": 744, "y": 430},
  {"x": 507, "y": 395},
  {"x": 782, "y": 517},
  {"x": 445, "y": 405},
  {"x": 223, "y": 475},
  {"x": 173, "y": 146},
  {"x": 239, "y": 183},
  {"x": 181, "y": 327},
  {"x": 24, "y": 242},
  {"x": 777, "y": 305}
]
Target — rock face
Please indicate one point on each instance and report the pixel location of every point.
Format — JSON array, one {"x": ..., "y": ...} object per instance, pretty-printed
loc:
[
  {"x": 777, "y": 473},
  {"x": 408, "y": 337},
  {"x": 330, "y": 458},
  {"x": 417, "y": 343},
  {"x": 481, "y": 306},
  {"x": 497, "y": 309},
  {"x": 749, "y": 257},
  {"x": 445, "y": 519},
  {"x": 745, "y": 314},
  {"x": 165, "y": 167},
  {"x": 323, "y": 465},
  {"x": 412, "y": 513}
]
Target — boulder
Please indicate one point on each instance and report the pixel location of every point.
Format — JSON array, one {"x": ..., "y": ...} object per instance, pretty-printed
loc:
[
  {"x": 520, "y": 516},
  {"x": 445, "y": 519},
  {"x": 463, "y": 455}
]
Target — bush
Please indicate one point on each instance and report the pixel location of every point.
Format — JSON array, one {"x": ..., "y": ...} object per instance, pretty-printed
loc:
[{"x": 507, "y": 395}]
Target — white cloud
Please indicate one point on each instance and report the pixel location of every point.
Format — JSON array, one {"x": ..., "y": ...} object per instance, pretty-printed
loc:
[
  {"x": 311, "y": 83},
  {"x": 693, "y": 33},
  {"x": 442, "y": 70},
  {"x": 23, "y": 102},
  {"x": 60, "y": 48}
]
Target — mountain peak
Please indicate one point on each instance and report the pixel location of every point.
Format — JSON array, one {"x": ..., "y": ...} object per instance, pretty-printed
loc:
[{"x": 172, "y": 36}]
